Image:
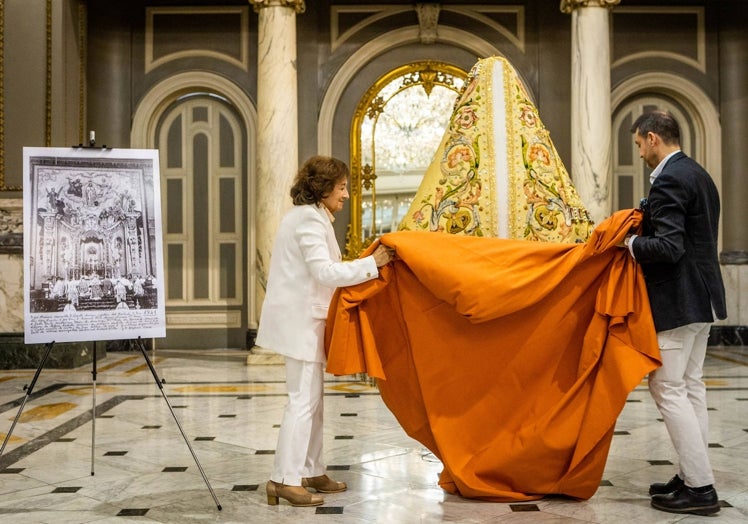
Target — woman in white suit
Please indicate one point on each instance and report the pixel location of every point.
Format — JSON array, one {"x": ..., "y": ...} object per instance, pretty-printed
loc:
[{"x": 305, "y": 269}]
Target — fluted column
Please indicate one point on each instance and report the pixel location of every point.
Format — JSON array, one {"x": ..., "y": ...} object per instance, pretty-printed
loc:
[
  {"x": 591, "y": 168},
  {"x": 277, "y": 124}
]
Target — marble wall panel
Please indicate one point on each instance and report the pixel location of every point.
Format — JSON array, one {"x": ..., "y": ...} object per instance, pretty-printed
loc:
[{"x": 11, "y": 265}]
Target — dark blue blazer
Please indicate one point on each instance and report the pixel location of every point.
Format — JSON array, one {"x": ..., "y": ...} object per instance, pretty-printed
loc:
[{"x": 678, "y": 246}]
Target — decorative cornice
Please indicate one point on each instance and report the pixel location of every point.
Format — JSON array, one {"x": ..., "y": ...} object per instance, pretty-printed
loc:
[
  {"x": 568, "y": 6},
  {"x": 11, "y": 226},
  {"x": 297, "y": 5}
]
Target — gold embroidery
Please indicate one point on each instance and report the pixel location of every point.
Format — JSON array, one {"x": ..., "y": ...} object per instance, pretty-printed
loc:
[{"x": 459, "y": 193}]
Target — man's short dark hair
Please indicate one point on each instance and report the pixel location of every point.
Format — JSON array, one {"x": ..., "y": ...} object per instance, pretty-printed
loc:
[{"x": 661, "y": 123}]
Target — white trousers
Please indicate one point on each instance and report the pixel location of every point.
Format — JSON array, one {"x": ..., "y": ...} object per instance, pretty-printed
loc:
[
  {"x": 680, "y": 395},
  {"x": 299, "y": 450}
]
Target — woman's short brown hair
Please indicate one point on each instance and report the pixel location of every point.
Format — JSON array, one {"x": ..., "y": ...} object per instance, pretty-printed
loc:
[{"x": 316, "y": 179}]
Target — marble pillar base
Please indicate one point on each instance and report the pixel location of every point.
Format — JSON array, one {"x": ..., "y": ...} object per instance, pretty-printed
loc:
[{"x": 15, "y": 354}]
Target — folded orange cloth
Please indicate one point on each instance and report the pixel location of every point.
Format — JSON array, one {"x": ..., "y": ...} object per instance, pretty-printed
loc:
[{"x": 510, "y": 360}]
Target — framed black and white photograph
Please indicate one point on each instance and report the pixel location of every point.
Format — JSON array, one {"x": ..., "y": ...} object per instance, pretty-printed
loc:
[{"x": 93, "y": 262}]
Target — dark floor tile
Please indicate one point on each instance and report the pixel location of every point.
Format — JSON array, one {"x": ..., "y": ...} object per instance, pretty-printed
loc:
[
  {"x": 204, "y": 438},
  {"x": 10, "y": 471},
  {"x": 524, "y": 507},
  {"x": 715, "y": 445},
  {"x": 132, "y": 512},
  {"x": 605, "y": 483},
  {"x": 349, "y": 414},
  {"x": 66, "y": 489},
  {"x": 621, "y": 433},
  {"x": 150, "y": 427},
  {"x": 343, "y": 437},
  {"x": 330, "y": 510},
  {"x": 229, "y": 415},
  {"x": 115, "y": 453},
  {"x": 245, "y": 487},
  {"x": 265, "y": 452},
  {"x": 660, "y": 462},
  {"x": 338, "y": 468},
  {"x": 174, "y": 469}
]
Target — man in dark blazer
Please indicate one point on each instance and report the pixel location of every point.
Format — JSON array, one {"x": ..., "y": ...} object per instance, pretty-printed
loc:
[{"x": 678, "y": 254}]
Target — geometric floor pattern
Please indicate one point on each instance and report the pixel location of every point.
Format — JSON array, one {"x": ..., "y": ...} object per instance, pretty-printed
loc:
[{"x": 132, "y": 464}]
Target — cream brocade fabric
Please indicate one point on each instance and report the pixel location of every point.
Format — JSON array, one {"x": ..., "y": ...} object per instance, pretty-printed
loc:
[{"x": 496, "y": 172}]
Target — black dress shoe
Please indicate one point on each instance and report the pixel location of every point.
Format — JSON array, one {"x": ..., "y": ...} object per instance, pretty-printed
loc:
[
  {"x": 686, "y": 500},
  {"x": 663, "y": 488}
]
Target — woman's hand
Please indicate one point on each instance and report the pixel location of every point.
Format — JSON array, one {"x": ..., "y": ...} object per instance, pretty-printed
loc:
[{"x": 383, "y": 255}]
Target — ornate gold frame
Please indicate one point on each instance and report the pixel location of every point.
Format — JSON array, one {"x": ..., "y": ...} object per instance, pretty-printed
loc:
[{"x": 427, "y": 73}]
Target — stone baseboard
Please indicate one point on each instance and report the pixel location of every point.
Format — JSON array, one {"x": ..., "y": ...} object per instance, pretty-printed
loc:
[
  {"x": 15, "y": 354},
  {"x": 728, "y": 336}
]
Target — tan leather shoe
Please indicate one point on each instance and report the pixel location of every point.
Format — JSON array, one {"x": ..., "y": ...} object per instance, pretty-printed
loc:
[
  {"x": 296, "y": 495},
  {"x": 324, "y": 484}
]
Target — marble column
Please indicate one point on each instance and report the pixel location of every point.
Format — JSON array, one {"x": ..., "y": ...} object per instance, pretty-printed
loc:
[
  {"x": 277, "y": 125},
  {"x": 591, "y": 168},
  {"x": 733, "y": 84}
]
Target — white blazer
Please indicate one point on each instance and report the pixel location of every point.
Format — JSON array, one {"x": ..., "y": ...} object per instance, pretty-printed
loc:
[{"x": 305, "y": 269}]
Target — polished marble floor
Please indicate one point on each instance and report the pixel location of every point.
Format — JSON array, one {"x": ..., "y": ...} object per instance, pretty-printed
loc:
[{"x": 134, "y": 465}]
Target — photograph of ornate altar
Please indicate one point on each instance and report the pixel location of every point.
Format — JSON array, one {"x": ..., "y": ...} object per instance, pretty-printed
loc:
[{"x": 92, "y": 243}]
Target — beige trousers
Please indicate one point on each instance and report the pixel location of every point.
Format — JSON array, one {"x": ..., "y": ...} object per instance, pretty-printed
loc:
[{"x": 680, "y": 395}]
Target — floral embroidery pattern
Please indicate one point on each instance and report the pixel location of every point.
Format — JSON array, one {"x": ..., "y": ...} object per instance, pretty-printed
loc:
[
  {"x": 543, "y": 203},
  {"x": 453, "y": 207},
  {"x": 554, "y": 212}
]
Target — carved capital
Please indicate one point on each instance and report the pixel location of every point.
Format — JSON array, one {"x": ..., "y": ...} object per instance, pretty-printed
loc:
[
  {"x": 296, "y": 5},
  {"x": 428, "y": 19},
  {"x": 568, "y": 6}
]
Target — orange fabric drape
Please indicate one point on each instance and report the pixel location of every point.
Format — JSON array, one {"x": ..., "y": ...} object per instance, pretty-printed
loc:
[{"x": 510, "y": 360}]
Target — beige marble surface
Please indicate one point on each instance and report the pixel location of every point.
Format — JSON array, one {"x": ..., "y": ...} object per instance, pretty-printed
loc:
[{"x": 11, "y": 293}]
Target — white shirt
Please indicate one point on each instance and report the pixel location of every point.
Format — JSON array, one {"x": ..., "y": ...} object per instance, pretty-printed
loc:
[{"x": 652, "y": 176}]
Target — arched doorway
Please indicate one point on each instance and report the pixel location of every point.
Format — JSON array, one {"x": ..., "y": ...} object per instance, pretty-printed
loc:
[
  {"x": 204, "y": 128},
  {"x": 631, "y": 173}
]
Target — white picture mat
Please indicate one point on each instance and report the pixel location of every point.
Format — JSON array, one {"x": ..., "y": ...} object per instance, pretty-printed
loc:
[{"x": 92, "y": 214}]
